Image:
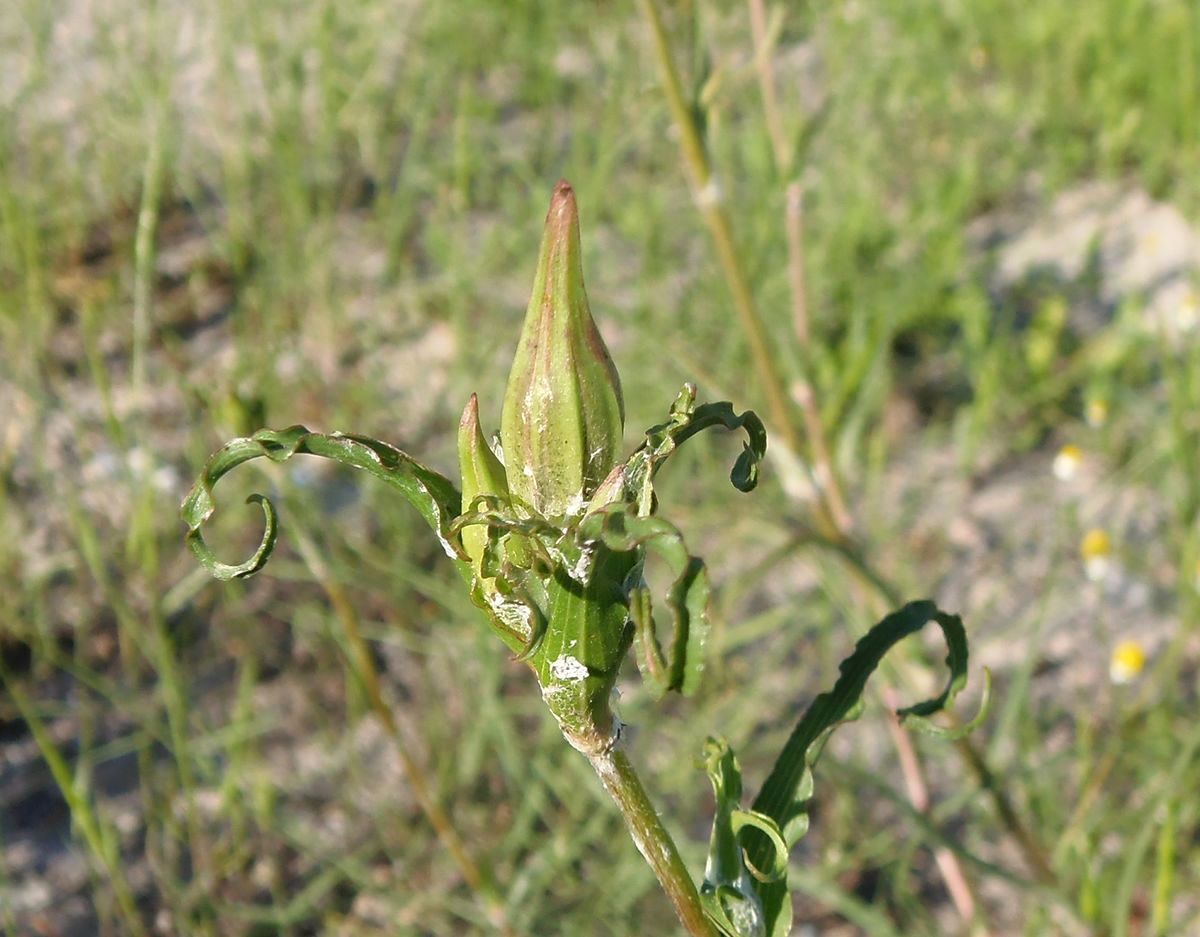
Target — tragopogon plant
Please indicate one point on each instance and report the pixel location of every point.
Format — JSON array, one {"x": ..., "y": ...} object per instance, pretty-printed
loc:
[{"x": 551, "y": 531}]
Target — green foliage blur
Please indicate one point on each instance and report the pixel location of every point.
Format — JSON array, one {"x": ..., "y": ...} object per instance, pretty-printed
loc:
[{"x": 220, "y": 216}]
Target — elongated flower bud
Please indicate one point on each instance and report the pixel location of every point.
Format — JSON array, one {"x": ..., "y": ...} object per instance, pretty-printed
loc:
[
  {"x": 563, "y": 412},
  {"x": 482, "y": 474}
]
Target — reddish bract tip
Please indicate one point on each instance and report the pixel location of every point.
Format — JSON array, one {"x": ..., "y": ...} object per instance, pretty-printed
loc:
[
  {"x": 470, "y": 414},
  {"x": 563, "y": 209}
]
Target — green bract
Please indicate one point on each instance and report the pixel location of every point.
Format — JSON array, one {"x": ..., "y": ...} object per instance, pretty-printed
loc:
[{"x": 482, "y": 478}]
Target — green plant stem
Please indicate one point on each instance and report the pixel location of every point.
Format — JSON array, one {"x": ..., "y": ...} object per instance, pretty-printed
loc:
[{"x": 621, "y": 780}]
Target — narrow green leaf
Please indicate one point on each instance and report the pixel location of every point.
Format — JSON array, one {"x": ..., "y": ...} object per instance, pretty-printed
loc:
[
  {"x": 684, "y": 421},
  {"x": 744, "y": 474},
  {"x": 619, "y": 528},
  {"x": 785, "y": 794},
  {"x": 729, "y": 892},
  {"x": 778, "y": 797},
  {"x": 433, "y": 495}
]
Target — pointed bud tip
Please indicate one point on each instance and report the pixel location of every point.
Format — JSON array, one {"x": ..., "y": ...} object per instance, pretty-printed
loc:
[
  {"x": 470, "y": 414},
  {"x": 562, "y": 204}
]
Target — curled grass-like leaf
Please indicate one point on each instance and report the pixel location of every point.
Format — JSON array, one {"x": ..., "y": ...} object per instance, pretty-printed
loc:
[
  {"x": 619, "y": 528},
  {"x": 785, "y": 794},
  {"x": 729, "y": 891},
  {"x": 778, "y": 797},
  {"x": 433, "y": 495},
  {"x": 684, "y": 421},
  {"x": 744, "y": 475}
]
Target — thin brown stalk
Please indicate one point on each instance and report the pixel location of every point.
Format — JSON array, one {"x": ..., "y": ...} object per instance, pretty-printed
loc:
[
  {"x": 709, "y": 200},
  {"x": 793, "y": 223},
  {"x": 363, "y": 667},
  {"x": 814, "y": 425},
  {"x": 832, "y": 519},
  {"x": 827, "y": 478},
  {"x": 794, "y": 226},
  {"x": 957, "y": 884},
  {"x": 766, "y": 85},
  {"x": 144, "y": 249}
]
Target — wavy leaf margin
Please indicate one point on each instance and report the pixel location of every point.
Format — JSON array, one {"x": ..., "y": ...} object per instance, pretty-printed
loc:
[{"x": 433, "y": 495}]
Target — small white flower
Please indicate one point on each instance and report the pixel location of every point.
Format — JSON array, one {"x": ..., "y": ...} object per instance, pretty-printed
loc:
[
  {"x": 1096, "y": 553},
  {"x": 1067, "y": 463}
]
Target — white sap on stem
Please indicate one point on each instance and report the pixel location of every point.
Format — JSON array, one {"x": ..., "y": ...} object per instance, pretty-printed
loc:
[{"x": 568, "y": 668}]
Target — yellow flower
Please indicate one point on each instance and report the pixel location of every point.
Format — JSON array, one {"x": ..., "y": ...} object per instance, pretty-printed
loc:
[
  {"x": 1096, "y": 553},
  {"x": 1128, "y": 660}
]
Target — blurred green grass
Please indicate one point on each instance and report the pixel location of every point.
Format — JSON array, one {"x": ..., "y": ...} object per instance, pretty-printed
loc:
[{"x": 339, "y": 207}]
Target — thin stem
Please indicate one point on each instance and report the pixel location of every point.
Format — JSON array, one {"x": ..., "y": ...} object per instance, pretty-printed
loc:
[
  {"x": 957, "y": 884},
  {"x": 814, "y": 424},
  {"x": 766, "y": 86},
  {"x": 362, "y": 665},
  {"x": 708, "y": 199},
  {"x": 144, "y": 249},
  {"x": 621, "y": 780},
  {"x": 793, "y": 223}
]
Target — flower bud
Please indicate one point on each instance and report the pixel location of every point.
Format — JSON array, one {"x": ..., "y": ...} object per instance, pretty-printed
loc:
[
  {"x": 563, "y": 413},
  {"x": 482, "y": 474}
]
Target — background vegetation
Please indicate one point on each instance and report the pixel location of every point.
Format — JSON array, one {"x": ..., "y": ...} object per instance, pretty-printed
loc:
[{"x": 218, "y": 216}]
